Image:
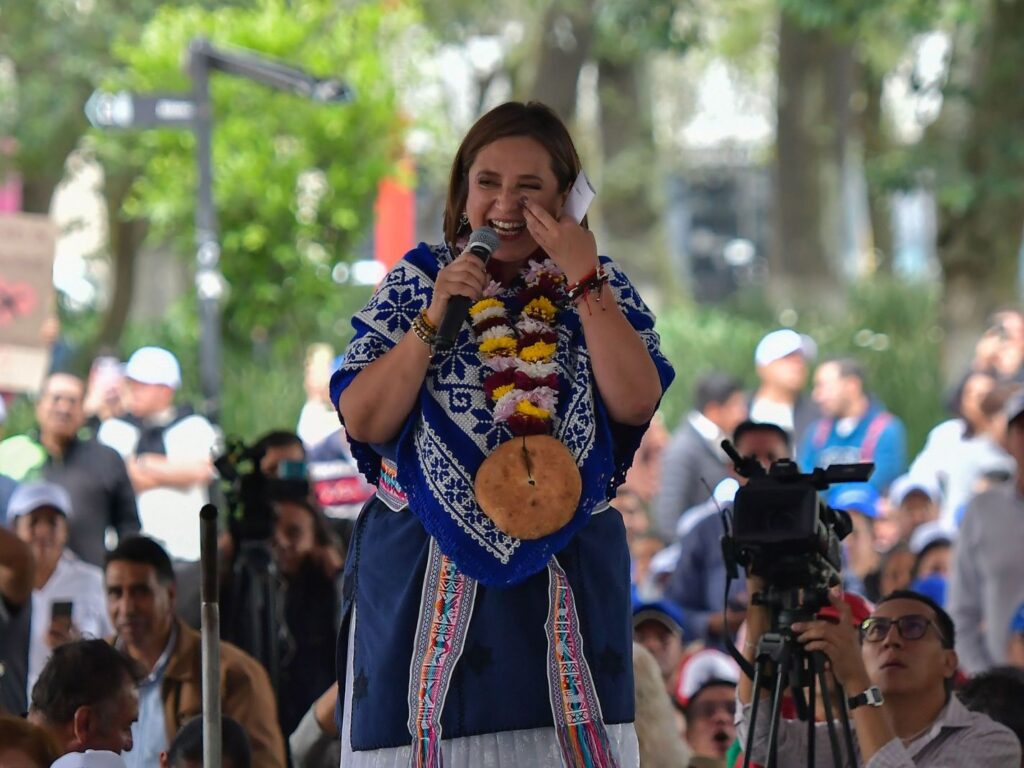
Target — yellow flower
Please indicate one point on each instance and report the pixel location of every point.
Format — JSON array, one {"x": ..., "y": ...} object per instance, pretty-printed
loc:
[
  {"x": 541, "y": 308},
  {"x": 539, "y": 351},
  {"x": 483, "y": 304},
  {"x": 502, "y": 345},
  {"x": 527, "y": 408},
  {"x": 500, "y": 392}
]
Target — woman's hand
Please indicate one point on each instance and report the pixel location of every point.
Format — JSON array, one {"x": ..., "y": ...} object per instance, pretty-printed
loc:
[
  {"x": 466, "y": 276},
  {"x": 572, "y": 247},
  {"x": 840, "y": 642}
]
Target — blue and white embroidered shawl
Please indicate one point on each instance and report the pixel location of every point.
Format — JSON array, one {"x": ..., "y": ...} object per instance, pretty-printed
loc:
[{"x": 452, "y": 430}]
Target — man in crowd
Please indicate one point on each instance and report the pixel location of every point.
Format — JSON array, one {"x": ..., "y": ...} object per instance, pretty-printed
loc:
[
  {"x": 694, "y": 460},
  {"x": 914, "y": 501},
  {"x": 861, "y": 562},
  {"x": 17, "y": 574},
  {"x": 988, "y": 570},
  {"x": 168, "y": 449},
  {"x": 706, "y": 694},
  {"x": 68, "y": 597},
  {"x": 93, "y": 474},
  {"x": 658, "y": 627},
  {"x": 782, "y": 358},
  {"x": 698, "y": 584},
  {"x": 853, "y": 427},
  {"x": 141, "y": 604},
  {"x": 86, "y": 697},
  {"x": 897, "y": 673}
]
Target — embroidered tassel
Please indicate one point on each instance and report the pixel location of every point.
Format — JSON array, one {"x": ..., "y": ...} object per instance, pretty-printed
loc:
[{"x": 574, "y": 704}]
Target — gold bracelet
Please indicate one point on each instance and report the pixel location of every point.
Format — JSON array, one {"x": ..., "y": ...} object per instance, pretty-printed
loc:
[{"x": 424, "y": 329}]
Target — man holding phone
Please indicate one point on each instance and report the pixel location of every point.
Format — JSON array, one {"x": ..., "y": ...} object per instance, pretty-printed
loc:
[{"x": 68, "y": 597}]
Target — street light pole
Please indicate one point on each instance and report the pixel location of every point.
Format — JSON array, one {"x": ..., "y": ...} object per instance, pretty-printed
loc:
[
  {"x": 209, "y": 282},
  {"x": 204, "y": 58}
]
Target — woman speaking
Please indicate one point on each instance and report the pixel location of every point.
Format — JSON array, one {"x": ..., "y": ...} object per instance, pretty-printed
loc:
[{"x": 486, "y": 596}]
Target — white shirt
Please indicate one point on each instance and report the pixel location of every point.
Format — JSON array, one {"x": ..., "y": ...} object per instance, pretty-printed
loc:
[
  {"x": 170, "y": 514},
  {"x": 72, "y": 581}
]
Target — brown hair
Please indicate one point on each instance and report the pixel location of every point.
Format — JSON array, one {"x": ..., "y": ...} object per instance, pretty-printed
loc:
[
  {"x": 513, "y": 118},
  {"x": 31, "y": 740}
]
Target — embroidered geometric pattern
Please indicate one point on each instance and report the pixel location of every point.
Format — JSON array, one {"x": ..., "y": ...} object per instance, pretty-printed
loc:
[
  {"x": 574, "y": 703},
  {"x": 449, "y": 480},
  {"x": 388, "y": 489},
  {"x": 452, "y": 429},
  {"x": 445, "y": 610}
]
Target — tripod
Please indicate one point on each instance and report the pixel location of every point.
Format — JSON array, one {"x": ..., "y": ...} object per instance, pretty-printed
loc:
[
  {"x": 256, "y": 622},
  {"x": 781, "y": 660}
]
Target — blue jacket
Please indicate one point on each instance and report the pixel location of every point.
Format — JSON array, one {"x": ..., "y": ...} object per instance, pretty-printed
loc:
[
  {"x": 879, "y": 437},
  {"x": 698, "y": 584}
]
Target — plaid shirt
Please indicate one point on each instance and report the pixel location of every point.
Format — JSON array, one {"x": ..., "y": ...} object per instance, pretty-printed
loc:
[{"x": 958, "y": 737}]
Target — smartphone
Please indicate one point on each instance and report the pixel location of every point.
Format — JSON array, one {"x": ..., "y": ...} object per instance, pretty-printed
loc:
[{"x": 60, "y": 614}]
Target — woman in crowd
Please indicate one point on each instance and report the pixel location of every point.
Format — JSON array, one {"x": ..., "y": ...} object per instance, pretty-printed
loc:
[{"x": 486, "y": 596}]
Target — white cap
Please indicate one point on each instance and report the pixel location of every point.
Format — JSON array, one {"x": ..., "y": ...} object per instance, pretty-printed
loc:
[
  {"x": 785, "y": 341},
  {"x": 927, "y": 534},
  {"x": 704, "y": 668},
  {"x": 904, "y": 485},
  {"x": 28, "y": 497},
  {"x": 91, "y": 758},
  {"x": 154, "y": 365}
]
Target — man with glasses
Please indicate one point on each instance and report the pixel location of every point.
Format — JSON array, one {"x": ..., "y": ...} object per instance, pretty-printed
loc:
[{"x": 897, "y": 673}]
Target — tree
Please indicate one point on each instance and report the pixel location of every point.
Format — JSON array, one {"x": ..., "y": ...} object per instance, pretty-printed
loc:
[{"x": 294, "y": 181}]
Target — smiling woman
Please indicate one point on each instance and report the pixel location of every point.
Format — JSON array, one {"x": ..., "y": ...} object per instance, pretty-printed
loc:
[{"x": 560, "y": 367}]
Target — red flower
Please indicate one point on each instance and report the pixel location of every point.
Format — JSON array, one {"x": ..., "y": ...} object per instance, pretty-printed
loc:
[{"x": 15, "y": 299}]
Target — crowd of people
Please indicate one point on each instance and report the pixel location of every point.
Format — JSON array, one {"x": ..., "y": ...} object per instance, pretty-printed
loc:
[
  {"x": 368, "y": 604},
  {"x": 934, "y": 536}
]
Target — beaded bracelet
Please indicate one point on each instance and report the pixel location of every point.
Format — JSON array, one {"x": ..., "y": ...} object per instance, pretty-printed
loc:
[
  {"x": 425, "y": 330},
  {"x": 592, "y": 283}
]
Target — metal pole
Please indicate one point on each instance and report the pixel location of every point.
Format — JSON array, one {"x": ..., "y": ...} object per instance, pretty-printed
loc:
[
  {"x": 209, "y": 282},
  {"x": 210, "y": 638}
]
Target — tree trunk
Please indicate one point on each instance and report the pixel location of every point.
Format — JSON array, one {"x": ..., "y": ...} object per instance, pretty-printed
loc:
[
  {"x": 979, "y": 242},
  {"x": 813, "y": 94},
  {"x": 565, "y": 45},
  {"x": 630, "y": 178},
  {"x": 875, "y": 145},
  {"x": 126, "y": 236}
]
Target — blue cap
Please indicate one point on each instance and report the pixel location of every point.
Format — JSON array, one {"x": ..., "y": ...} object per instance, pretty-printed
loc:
[
  {"x": 855, "y": 497},
  {"x": 662, "y": 611},
  {"x": 1017, "y": 622},
  {"x": 933, "y": 586}
]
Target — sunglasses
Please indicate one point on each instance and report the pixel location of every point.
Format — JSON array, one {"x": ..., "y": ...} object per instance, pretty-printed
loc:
[{"x": 910, "y": 627}]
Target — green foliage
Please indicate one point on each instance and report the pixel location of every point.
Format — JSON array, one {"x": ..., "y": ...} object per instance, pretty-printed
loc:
[
  {"x": 294, "y": 180},
  {"x": 891, "y": 328}
]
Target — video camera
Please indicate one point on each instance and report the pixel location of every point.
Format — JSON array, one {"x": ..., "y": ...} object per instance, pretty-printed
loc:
[
  {"x": 249, "y": 493},
  {"x": 781, "y": 528}
]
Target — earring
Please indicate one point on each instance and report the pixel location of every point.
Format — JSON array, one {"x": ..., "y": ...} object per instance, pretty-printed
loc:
[{"x": 463, "y": 221}]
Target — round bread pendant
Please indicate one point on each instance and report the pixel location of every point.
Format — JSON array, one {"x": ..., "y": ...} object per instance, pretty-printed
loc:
[{"x": 530, "y": 486}]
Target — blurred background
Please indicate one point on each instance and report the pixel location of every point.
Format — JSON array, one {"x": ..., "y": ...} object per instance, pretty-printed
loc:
[{"x": 853, "y": 169}]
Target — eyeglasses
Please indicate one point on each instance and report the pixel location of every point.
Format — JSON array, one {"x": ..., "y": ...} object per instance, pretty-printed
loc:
[
  {"x": 704, "y": 709},
  {"x": 911, "y": 627}
]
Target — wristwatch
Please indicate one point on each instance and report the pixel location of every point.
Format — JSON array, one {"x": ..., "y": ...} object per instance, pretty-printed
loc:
[{"x": 872, "y": 697}]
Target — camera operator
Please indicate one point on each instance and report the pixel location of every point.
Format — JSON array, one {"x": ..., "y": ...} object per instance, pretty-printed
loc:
[
  {"x": 897, "y": 671},
  {"x": 311, "y": 595}
]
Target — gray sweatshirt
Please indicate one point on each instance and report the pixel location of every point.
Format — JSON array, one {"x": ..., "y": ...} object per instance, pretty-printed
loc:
[{"x": 988, "y": 577}]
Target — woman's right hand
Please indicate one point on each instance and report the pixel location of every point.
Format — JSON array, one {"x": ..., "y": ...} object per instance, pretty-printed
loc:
[{"x": 466, "y": 276}]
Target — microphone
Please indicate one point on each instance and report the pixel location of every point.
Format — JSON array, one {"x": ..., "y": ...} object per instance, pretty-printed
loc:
[{"x": 482, "y": 243}]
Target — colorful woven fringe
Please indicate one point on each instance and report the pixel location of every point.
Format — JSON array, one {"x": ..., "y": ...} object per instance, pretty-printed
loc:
[
  {"x": 445, "y": 609},
  {"x": 574, "y": 703}
]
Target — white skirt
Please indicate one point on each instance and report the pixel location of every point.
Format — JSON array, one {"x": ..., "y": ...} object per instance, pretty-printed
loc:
[{"x": 532, "y": 748}]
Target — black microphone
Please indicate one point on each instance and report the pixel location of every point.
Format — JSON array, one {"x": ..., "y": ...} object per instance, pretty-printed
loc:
[{"x": 482, "y": 243}]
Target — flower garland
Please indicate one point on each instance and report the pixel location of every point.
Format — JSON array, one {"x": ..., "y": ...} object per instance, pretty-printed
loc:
[{"x": 523, "y": 383}]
